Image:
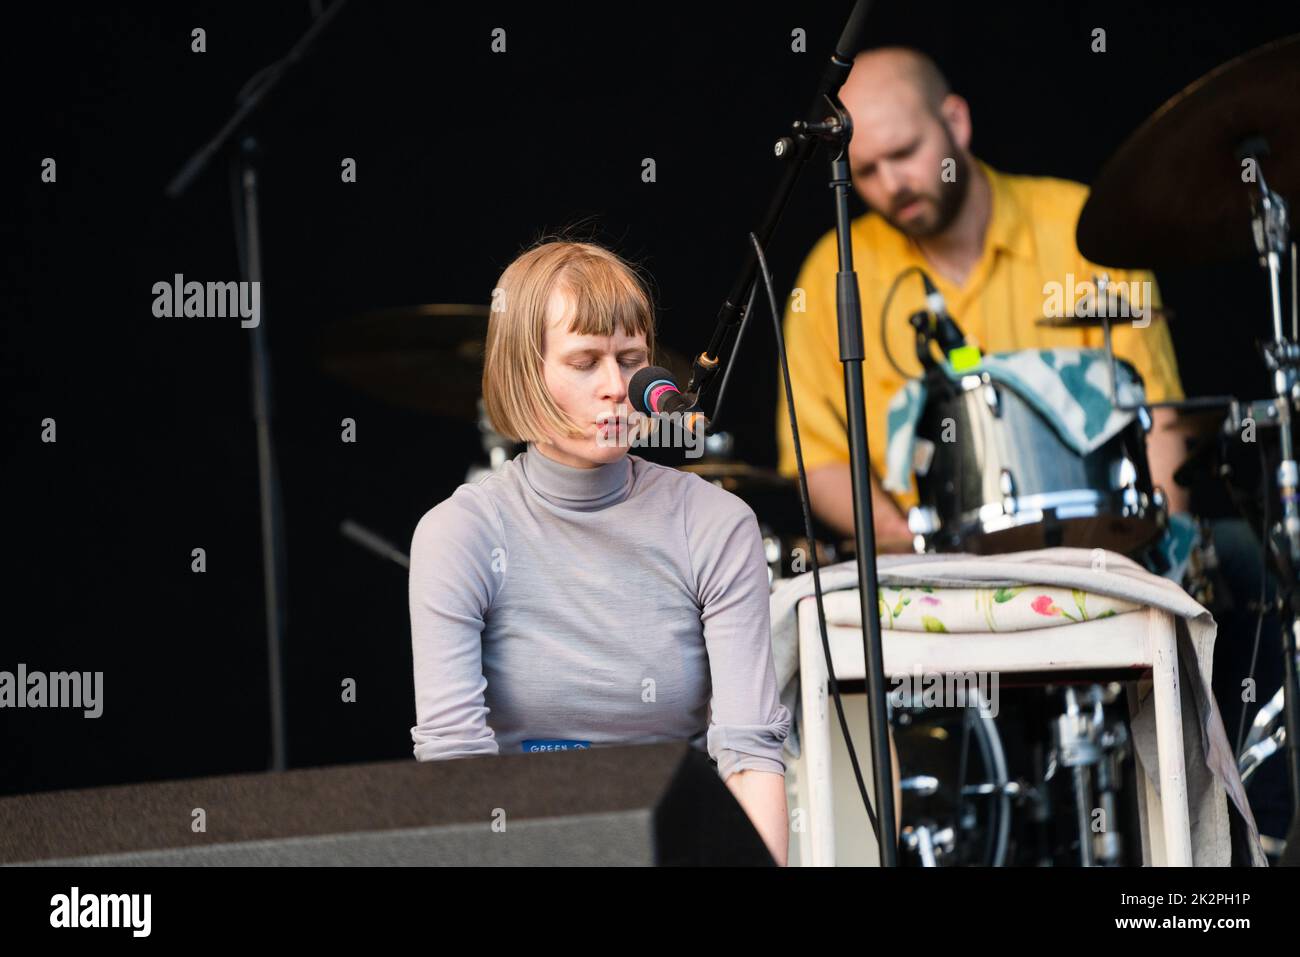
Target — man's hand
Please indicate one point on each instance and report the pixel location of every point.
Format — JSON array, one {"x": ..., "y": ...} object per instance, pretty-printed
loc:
[{"x": 830, "y": 492}]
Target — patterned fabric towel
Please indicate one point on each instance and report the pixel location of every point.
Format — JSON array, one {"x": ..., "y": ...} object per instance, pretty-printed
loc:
[{"x": 967, "y": 610}]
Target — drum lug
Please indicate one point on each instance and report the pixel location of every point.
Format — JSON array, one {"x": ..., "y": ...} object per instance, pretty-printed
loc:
[
  {"x": 1144, "y": 417},
  {"x": 1126, "y": 475},
  {"x": 1007, "y": 486},
  {"x": 922, "y": 520},
  {"x": 1131, "y": 502},
  {"x": 991, "y": 398},
  {"x": 1160, "y": 505}
]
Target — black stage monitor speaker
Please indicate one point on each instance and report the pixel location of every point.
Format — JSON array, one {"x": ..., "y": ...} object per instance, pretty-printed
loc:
[{"x": 635, "y": 805}]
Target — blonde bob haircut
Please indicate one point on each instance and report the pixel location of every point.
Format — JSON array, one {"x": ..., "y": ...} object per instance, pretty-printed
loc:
[{"x": 606, "y": 294}]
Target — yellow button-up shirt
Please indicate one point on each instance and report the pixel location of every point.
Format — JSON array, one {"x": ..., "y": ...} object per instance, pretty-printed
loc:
[{"x": 1029, "y": 245}]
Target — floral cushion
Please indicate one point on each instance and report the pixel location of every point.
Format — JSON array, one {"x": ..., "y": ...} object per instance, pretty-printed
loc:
[{"x": 1022, "y": 608}]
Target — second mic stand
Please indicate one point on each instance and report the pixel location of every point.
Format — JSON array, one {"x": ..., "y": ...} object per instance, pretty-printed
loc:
[{"x": 836, "y": 131}]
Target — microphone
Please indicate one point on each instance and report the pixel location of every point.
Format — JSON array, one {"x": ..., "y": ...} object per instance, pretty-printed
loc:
[
  {"x": 654, "y": 391},
  {"x": 947, "y": 333}
]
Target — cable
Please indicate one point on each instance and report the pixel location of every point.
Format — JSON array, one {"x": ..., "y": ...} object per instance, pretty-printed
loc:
[
  {"x": 884, "y": 314},
  {"x": 812, "y": 542}
]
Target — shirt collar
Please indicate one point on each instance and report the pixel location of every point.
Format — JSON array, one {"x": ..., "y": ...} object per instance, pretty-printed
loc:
[
  {"x": 1009, "y": 228},
  {"x": 582, "y": 490}
]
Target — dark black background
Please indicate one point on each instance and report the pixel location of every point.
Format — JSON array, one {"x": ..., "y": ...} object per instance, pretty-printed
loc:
[{"x": 464, "y": 157}]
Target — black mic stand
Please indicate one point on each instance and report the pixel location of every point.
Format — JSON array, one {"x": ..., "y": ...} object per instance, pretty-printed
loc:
[
  {"x": 829, "y": 121},
  {"x": 836, "y": 131},
  {"x": 244, "y": 171}
]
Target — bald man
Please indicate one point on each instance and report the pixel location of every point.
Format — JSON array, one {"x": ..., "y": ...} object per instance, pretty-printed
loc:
[{"x": 991, "y": 242}]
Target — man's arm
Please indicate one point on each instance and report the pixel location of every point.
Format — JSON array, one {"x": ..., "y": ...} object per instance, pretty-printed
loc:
[
  {"x": 1166, "y": 450},
  {"x": 830, "y": 492}
]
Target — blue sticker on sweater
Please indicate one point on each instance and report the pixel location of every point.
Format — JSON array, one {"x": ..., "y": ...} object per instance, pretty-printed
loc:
[{"x": 554, "y": 744}]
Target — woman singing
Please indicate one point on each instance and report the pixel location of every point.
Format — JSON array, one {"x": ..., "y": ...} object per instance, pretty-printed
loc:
[{"x": 582, "y": 596}]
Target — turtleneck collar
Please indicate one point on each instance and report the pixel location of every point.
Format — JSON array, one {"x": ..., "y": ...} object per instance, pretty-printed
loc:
[{"x": 582, "y": 490}]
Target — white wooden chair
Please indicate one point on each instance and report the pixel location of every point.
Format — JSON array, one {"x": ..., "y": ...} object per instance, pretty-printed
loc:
[{"x": 1142, "y": 639}]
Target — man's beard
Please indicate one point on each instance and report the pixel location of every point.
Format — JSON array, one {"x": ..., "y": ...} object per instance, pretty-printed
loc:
[{"x": 947, "y": 201}]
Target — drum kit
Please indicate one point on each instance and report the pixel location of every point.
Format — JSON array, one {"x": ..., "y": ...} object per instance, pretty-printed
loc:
[{"x": 1207, "y": 178}]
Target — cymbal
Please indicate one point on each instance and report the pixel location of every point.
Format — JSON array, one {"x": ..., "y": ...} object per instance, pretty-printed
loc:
[
  {"x": 738, "y": 473},
  {"x": 427, "y": 357},
  {"x": 1173, "y": 194},
  {"x": 1094, "y": 322}
]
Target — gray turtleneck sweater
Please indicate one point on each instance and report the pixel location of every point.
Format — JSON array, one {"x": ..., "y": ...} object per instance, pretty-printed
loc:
[{"x": 555, "y": 607}]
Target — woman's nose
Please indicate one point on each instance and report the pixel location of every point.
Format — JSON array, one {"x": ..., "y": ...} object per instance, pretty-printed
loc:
[{"x": 614, "y": 385}]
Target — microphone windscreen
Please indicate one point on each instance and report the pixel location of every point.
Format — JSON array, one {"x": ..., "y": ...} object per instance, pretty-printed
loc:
[{"x": 647, "y": 386}]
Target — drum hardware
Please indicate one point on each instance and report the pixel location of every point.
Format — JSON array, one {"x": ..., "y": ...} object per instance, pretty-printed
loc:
[
  {"x": 1085, "y": 742},
  {"x": 719, "y": 446},
  {"x": 1013, "y": 789},
  {"x": 1000, "y": 478},
  {"x": 991, "y": 396},
  {"x": 1202, "y": 566},
  {"x": 1169, "y": 198},
  {"x": 1270, "y": 228},
  {"x": 946, "y": 820},
  {"x": 1267, "y": 737},
  {"x": 924, "y": 785},
  {"x": 928, "y": 844},
  {"x": 374, "y": 543},
  {"x": 499, "y": 449},
  {"x": 1069, "y": 321},
  {"x": 1261, "y": 413}
]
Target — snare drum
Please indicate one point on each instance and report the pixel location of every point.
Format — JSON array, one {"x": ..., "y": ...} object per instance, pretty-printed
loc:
[{"x": 997, "y": 477}]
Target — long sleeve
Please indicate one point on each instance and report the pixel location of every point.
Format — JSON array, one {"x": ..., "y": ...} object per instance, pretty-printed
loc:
[
  {"x": 748, "y": 724},
  {"x": 457, "y": 563}
]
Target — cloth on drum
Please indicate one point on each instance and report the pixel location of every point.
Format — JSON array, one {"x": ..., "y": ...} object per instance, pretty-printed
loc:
[
  {"x": 1212, "y": 777},
  {"x": 1070, "y": 388}
]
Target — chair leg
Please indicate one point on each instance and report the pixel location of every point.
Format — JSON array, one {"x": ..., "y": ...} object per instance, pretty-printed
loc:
[
  {"x": 1171, "y": 803},
  {"x": 1147, "y": 799},
  {"x": 1158, "y": 857},
  {"x": 815, "y": 783}
]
